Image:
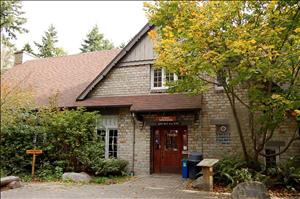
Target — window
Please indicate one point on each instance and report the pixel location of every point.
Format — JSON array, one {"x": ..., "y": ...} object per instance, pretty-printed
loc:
[
  {"x": 271, "y": 161},
  {"x": 160, "y": 77},
  {"x": 218, "y": 81},
  {"x": 107, "y": 130},
  {"x": 113, "y": 143},
  {"x": 222, "y": 134},
  {"x": 171, "y": 140}
]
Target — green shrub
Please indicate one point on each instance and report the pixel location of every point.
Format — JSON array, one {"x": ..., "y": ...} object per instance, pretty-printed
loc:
[
  {"x": 49, "y": 172},
  {"x": 285, "y": 175},
  {"x": 112, "y": 167},
  {"x": 231, "y": 170},
  {"x": 91, "y": 154},
  {"x": 60, "y": 133}
]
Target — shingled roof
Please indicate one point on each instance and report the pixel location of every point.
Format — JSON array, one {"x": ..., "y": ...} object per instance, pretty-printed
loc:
[
  {"x": 66, "y": 75},
  {"x": 147, "y": 103}
]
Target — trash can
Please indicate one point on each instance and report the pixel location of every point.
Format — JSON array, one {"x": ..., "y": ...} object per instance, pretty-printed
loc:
[
  {"x": 193, "y": 160},
  {"x": 184, "y": 168}
]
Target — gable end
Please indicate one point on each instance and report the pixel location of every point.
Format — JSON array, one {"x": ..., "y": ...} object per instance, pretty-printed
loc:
[{"x": 122, "y": 54}]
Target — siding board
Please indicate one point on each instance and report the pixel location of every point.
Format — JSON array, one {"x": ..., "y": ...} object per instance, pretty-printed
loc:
[{"x": 143, "y": 50}]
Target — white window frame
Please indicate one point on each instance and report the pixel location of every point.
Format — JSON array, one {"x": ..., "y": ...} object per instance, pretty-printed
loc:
[
  {"x": 276, "y": 149},
  {"x": 163, "y": 79},
  {"x": 107, "y": 123}
]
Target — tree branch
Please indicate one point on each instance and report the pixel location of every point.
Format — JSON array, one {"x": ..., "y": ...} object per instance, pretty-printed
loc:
[{"x": 294, "y": 138}]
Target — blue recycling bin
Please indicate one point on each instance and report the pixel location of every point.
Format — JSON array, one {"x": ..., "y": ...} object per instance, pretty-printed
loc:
[{"x": 184, "y": 169}]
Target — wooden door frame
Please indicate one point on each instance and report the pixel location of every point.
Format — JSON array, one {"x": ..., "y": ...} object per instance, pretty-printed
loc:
[{"x": 152, "y": 162}]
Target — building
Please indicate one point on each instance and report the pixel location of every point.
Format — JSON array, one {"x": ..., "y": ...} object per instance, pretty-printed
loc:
[{"x": 142, "y": 123}]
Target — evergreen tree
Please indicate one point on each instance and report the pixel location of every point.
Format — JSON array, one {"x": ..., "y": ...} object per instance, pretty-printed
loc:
[
  {"x": 11, "y": 20},
  {"x": 48, "y": 46},
  {"x": 122, "y": 45},
  {"x": 27, "y": 48},
  {"x": 95, "y": 41}
]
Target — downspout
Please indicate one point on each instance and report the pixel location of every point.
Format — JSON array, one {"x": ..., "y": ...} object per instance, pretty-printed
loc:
[
  {"x": 133, "y": 144},
  {"x": 201, "y": 130}
]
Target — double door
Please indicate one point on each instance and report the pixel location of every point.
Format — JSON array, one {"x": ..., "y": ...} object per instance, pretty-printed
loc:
[{"x": 167, "y": 148}]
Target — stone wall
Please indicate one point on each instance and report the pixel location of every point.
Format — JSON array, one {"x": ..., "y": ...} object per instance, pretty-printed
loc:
[
  {"x": 129, "y": 80},
  {"x": 135, "y": 80}
]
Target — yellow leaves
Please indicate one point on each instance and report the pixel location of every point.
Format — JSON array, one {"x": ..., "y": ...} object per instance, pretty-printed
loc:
[
  {"x": 297, "y": 30},
  {"x": 13, "y": 100},
  {"x": 297, "y": 112},
  {"x": 153, "y": 35},
  {"x": 252, "y": 41}
]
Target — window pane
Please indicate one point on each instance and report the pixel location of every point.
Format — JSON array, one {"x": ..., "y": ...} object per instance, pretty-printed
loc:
[
  {"x": 270, "y": 161},
  {"x": 169, "y": 77},
  {"x": 171, "y": 140},
  {"x": 113, "y": 143},
  {"x": 157, "y": 78}
]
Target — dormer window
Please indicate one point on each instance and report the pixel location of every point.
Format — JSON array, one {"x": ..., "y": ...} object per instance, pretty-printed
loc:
[{"x": 160, "y": 77}]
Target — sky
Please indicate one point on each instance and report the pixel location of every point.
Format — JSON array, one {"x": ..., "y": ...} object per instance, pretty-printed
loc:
[{"x": 119, "y": 21}]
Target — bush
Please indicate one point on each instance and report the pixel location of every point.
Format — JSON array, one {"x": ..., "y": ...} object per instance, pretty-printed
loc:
[
  {"x": 110, "y": 167},
  {"x": 232, "y": 170},
  {"x": 91, "y": 154},
  {"x": 49, "y": 172},
  {"x": 60, "y": 133},
  {"x": 285, "y": 175}
]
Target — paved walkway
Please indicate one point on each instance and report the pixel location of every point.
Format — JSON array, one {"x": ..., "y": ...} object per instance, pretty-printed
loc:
[{"x": 154, "y": 186}]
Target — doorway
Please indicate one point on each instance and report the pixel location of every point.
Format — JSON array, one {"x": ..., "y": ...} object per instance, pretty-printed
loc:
[{"x": 167, "y": 144}]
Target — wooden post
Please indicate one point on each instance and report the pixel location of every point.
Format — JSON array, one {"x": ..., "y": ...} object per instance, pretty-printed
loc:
[
  {"x": 34, "y": 152},
  {"x": 208, "y": 178},
  {"x": 33, "y": 165},
  {"x": 207, "y": 170}
]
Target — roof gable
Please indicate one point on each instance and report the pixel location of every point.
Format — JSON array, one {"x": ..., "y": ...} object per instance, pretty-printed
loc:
[{"x": 116, "y": 60}]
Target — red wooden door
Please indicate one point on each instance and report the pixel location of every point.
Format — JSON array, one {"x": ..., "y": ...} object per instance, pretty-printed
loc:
[{"x": 168, "y": 149}]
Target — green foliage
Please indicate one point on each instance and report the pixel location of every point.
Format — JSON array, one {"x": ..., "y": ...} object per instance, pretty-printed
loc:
[
  {"x": 49, "y": 172},
  {"x": 92, "y": 157},
  {"x": 48, "y": 46},
  {"x": 27, "y": 48},
  {"x": 110, "y": 179},
  {"x": 232, "y": 170},
  {"x": 95, "y": 41},
  {"x": 11, "y": 20},
  {"x": 65, "y": 133},
  {"x": 285, "y": 175},
  {"x": 91, "y": 154},
  {"x": 67, "y": 138},
  {"x": 108, "y": 167},
  {"x": 59, "y": 134}
]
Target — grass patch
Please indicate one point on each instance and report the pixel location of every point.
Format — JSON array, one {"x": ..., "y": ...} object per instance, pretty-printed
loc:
[
  {"x": 110, "y": 180},
  {"x": 95, "y": 179}
]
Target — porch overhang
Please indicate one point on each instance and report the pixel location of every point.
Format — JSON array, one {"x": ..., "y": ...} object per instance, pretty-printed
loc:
[{"x": 147, "y": 103}]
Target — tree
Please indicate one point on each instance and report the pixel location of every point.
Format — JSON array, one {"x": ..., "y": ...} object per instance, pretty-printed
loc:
[
  {"x": 253, "y": 46},
  {"x": 95, "y": 41},
  {"x": 27, "y": 48},
  {"x": 11, "y": 20},
  {"x": 7, "y": 57},
  {"x": 48, "y": 46},
  {"x": 122, "y": 45}
]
